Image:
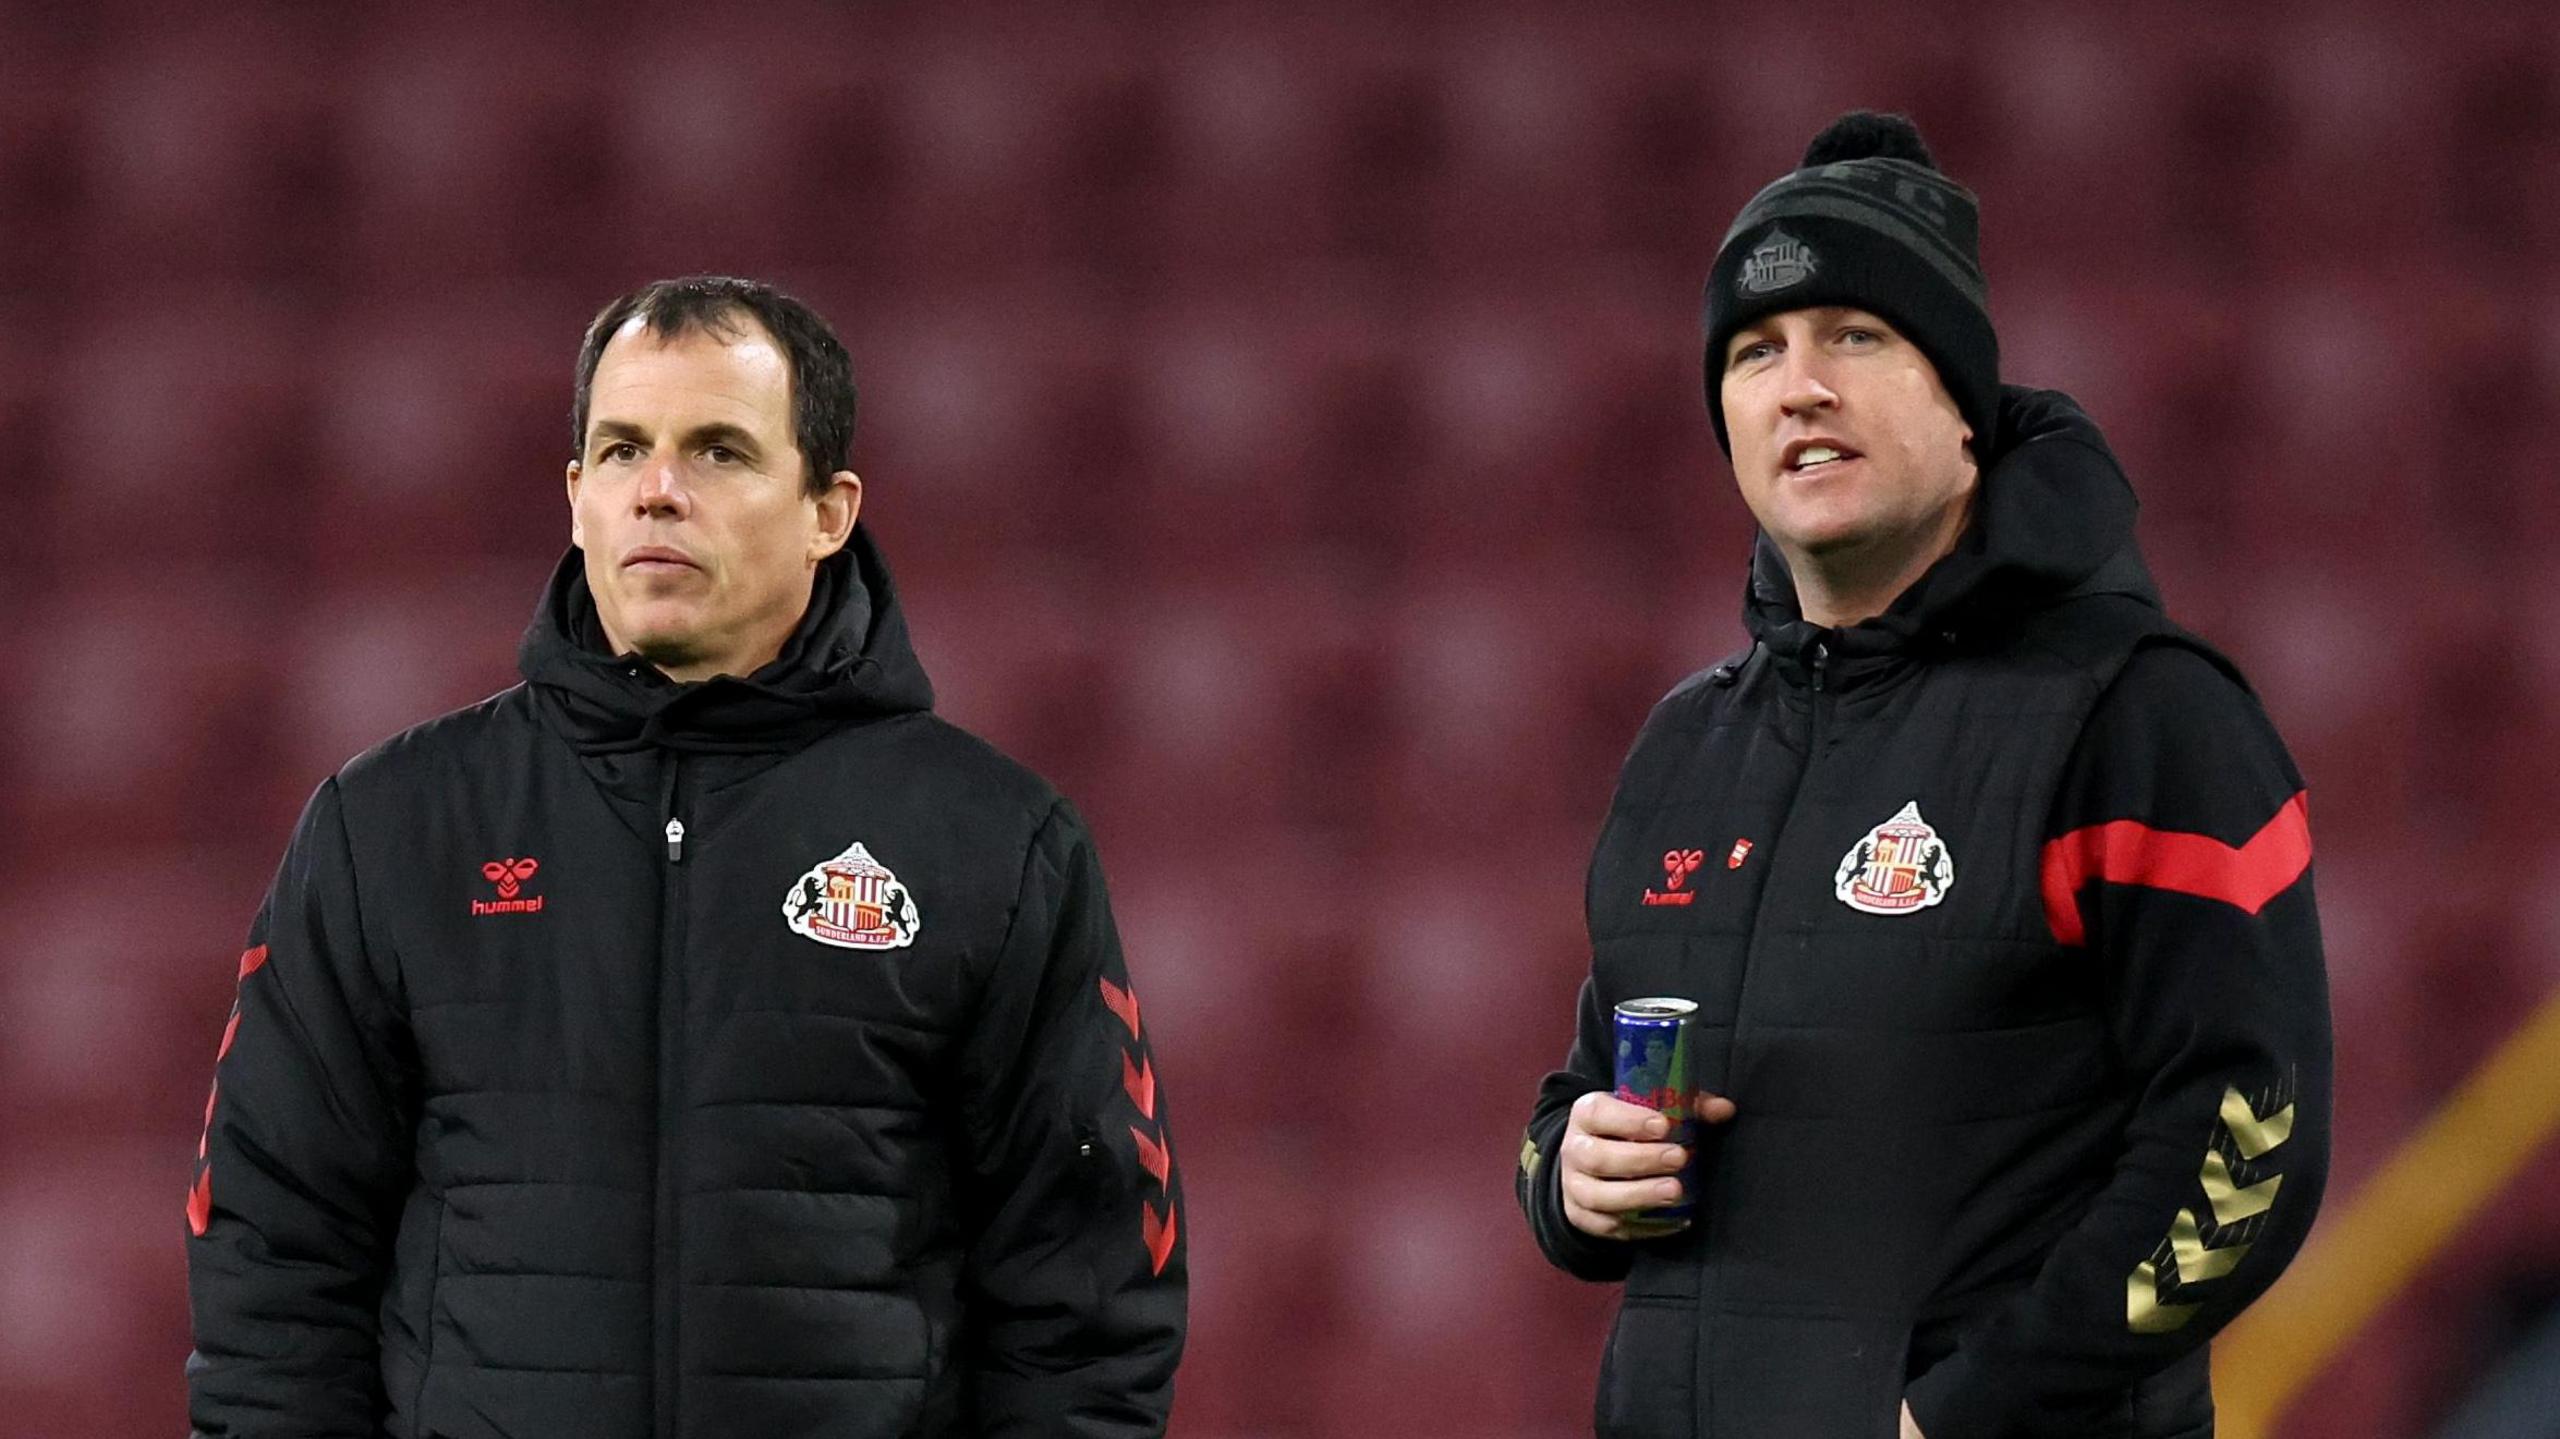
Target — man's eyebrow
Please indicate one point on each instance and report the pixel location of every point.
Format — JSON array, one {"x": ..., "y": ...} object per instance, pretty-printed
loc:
[
  {"x": 722, "y": 433},
  {"x": 716, "y": 433}
]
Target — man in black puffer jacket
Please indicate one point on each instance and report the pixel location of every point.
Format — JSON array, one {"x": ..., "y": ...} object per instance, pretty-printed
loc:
[
  {"x": 700, "y": 1038},
  {"x": 2012, "y": 1031}
]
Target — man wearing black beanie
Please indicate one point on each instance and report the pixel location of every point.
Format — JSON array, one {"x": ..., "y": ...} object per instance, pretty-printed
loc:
[{"x": 2007, "y": 1077}]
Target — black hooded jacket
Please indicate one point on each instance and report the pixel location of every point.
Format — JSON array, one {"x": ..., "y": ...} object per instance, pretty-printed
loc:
[
  {"x": 619, "y": 1057},
  {"x": 1998, "y": 912}
]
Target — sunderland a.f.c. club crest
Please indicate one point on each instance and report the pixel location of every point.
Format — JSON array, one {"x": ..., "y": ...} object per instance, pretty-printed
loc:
[
  {"x": 852, "y": 902},
  {"x": 1901, "y": 866},
  {"x": 1777, "y": 263}
]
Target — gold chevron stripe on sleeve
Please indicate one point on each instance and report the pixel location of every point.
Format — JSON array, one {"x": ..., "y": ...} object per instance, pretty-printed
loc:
[
  {"x": 2254, "y": 1135},
  {"x": 2196, "y": 1263},
  {"x": 2231, "y": 1203},
  {"x": 1528, "y": 1156},
  {"x": 2143, "y": 1311}
]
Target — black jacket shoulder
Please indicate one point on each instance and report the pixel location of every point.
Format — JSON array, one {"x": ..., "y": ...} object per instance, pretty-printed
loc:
[
  {"x": 1692, "y": 701},
  {"x": 964, "y": 769},
  {"x": 430, "y": 747}
]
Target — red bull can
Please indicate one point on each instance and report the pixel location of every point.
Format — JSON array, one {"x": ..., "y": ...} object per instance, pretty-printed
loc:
[{"x": 1653, "y": 1070}]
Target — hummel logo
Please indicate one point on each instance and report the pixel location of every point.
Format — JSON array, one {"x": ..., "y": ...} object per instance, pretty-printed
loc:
[
  {"x": 1677, "y": 866},
  {"x": 1680, "y": 864},
  {"x": 509, "y": 876}
]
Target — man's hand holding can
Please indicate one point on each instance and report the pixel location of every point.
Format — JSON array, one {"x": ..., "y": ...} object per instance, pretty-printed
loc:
[{"x": 1618, "y": 1163}]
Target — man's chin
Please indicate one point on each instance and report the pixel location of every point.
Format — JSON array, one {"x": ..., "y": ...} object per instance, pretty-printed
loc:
[
  {"x": 1836, "y": 542},
  {"x": 653, "y": 622},
  {"x": 666, "y": 647}
]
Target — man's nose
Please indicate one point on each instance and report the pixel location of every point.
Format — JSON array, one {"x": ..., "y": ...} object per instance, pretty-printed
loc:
[
  {"x": 662, "y": 489},
  {"x": 1803, "y": 387}
]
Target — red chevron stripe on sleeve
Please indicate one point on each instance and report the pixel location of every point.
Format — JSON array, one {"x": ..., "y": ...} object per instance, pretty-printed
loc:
[
  {"x": 1159, "y": 1232},
  {"x": 1152, "y": 1158},
  {"x": 2128, "y": 851},
  {"x": 200, "y": 1193},
  {"x": 1139, "y": 1078},
  {"x": 1122, "y": 1002}
]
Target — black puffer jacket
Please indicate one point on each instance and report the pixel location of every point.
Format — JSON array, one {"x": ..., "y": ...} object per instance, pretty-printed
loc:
[
  {"x": 1998, "y": 912},
  {"x": 624, "y": 1058}
]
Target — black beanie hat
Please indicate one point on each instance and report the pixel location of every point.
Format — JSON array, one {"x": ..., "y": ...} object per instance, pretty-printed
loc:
[{"x": 1867, "y": 222}]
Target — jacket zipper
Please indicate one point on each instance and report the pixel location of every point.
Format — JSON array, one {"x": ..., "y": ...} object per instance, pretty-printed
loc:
[
  {"x": 667, "y": 1268},
  {"x": 1818, "y": 661}
]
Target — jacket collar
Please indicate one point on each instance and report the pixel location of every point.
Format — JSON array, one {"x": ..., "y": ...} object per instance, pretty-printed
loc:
[{"x": 849, "y": 658}]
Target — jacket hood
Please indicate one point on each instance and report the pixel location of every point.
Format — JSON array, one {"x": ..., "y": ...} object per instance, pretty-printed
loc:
[
  {"x": 2053, "y": 520},
  {"x": 849, "y": 658}
]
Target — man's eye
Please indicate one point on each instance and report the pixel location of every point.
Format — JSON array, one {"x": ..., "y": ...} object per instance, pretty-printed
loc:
[
  {"x": 621, "y": 451},
  {"x": 1753, "y": 351},
  {"x": 720, "y": 454},
  {"x": 1856, "y": 333}
]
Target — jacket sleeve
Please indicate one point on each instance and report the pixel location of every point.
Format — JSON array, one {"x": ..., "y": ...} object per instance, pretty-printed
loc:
[
  {"x": 1075, "y": 1276},
  {"x": 303, "y": 1166},
  {"x": 2179, "y": 859},
  {"x": 1587, "y": 1067}
]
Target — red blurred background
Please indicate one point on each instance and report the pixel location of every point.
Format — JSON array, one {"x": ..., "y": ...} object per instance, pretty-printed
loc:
[{"x": 1286, "y": 425}]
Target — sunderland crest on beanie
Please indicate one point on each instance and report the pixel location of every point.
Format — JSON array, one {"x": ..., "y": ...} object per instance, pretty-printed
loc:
[
  {"x": 1779, "y": 262},
  {"x": 1867, "y": 221}
]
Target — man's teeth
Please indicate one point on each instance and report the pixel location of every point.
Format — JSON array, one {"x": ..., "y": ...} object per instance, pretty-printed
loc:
[{"x": 1815, "y": 455}]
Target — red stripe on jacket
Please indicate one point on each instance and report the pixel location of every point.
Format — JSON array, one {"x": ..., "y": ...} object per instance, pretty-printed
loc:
[{"x": 2127, "y": 851}]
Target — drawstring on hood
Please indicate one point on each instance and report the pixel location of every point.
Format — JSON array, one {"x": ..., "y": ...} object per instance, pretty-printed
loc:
[
  {"x": 848, "y": 657},
  {"x": 2053, "y": 519}
]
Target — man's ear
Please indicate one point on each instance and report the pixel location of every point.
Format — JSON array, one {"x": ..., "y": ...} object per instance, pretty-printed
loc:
[
  {"x": 575, "y": 536},
  {"x": 838, "y": 508}
]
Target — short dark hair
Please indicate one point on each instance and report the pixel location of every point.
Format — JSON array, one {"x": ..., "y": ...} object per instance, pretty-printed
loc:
[{"x": 822, "y": 395}]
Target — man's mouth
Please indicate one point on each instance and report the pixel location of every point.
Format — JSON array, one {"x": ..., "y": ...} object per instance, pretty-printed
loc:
[
  {"x": 658, "y": 558},
  {"x": 1812, "y": 457}
]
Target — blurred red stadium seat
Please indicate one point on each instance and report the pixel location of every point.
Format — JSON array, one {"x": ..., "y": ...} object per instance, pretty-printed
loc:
[{"x": 156, "y": 723}]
